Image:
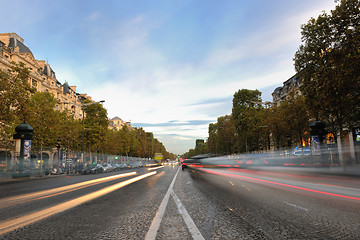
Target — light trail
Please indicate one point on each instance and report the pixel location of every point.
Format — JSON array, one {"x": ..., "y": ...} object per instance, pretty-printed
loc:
[
  {"x": 10, "y": 201},
  {"x": 154, "y": 168},
  {"x": 280, "y": 184},
  {"x": 18, "y": 222}
]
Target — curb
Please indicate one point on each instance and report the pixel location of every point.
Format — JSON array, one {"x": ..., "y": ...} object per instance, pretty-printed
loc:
[{"x": 25, "y": 179}]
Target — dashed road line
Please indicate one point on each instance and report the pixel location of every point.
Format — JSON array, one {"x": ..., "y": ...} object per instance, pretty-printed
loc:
[{"x": 296, "y": 206}]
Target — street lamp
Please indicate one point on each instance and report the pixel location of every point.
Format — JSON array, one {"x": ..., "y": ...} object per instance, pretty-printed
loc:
[{"x": 58, "y": 145}]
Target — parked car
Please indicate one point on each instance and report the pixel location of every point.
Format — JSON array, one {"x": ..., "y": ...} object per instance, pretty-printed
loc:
[
  {"x": 116, "y": 167},
  {"x": 97, "y": 169},
  {"x": 86, "y": 170},
  {"x": 109, "y": 168}
]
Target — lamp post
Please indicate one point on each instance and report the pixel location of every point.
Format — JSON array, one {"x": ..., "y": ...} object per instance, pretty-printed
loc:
[{"x": 58, "y": 145}]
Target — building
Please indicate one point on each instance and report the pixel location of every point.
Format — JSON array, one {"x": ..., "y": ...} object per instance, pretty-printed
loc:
[
  {"x": 118, "y": 123},
  {"x": 42, "y": 76},
  {"x": 43, "y": 79},
  {"x": 348, "y": 149},
  {"x": 280, "y": 94}
]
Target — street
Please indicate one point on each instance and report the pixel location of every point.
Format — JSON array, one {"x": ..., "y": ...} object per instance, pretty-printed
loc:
[{"x": 167, "y": 203}]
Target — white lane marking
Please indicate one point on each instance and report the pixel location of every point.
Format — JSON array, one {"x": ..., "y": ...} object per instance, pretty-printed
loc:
[
  {"x": 179, "y": 204},
  {"x": 299, "y": 207},
  {"x": 194, "y": 231},
  {"x": 155, "y": 224}
]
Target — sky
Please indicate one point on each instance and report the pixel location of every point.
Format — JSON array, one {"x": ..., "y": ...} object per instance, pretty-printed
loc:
[{"x": 170, "y": 67}]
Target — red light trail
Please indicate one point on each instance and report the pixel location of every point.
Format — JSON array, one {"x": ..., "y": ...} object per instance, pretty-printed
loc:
[{"x": 280, "y": 184}]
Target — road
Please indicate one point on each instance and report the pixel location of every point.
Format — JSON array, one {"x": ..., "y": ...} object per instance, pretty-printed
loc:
[{"x": 168, "y": 203}]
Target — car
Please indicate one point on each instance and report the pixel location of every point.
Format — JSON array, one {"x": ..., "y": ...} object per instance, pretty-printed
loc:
[
  {"x": 109, "y": 168},
  {"x": 97, "y": 169},
  {"x": 302, "y": 152},
  {"x": 116, "y": 167}
]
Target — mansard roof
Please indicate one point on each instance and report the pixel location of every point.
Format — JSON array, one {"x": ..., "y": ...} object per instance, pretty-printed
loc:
[
  {"x": 66, "y": 88},
  {"x": 48, "y": 71},
  {"x": 14, "y": 42}
]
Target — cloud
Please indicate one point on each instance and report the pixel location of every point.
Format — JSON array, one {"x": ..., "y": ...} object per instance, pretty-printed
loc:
[
  {"x": 212, "y": 101},
  {"x": 173, "y": 123}
]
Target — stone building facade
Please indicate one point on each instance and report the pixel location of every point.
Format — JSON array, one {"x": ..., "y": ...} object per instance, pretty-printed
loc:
[
  {"x": 280, "y": 94},
  {"x": 118, "y": 123},
  {"x": 42, "y": 76},
  {"x": 43, "y": 79}
]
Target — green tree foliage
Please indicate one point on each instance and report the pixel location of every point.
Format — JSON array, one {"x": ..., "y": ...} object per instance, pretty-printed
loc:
[
  {"x": 211, "y": 142},
  {"x": 135, "y": 142},
  {"x": 50, "y": 124},
  {"x": 247, "y": 114},
  {"x": 70, "y": 131},
  {"x": 275, "y": 126},
  {"x": 43, "y": 118},
  {"x": 14, "y": 99},
  {"x": 225, "y": 135},
  {"x": 287, "y": 122},
  {"x": 328, "y": 62},
  {"x": 199, "y": 146},
  {"x": 96, "y": 124},
  {"x": 295, "y": 118}
]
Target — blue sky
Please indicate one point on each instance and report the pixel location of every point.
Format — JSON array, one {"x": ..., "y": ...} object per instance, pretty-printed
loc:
[{"x": 170, "y": 67}]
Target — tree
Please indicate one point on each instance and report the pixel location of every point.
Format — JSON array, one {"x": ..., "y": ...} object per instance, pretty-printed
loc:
[
  {"x": 44, "y": 119},
  {"x": 15, "y": 92},
  {"x": 328, "y": 62},
  {"x": 96, "y": 124},
  {"x": 211, "y": 142},
  {"x": 245, "y": 112},
  {"x": 225, "y": 135},
  {"x": 199, "y": 146}
]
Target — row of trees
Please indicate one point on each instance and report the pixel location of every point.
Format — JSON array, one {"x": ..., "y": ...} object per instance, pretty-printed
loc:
[
  {"x": 328, "y": 66},
  {"x": 18, "y": 101},
  {"x": 255, "y": 126}
]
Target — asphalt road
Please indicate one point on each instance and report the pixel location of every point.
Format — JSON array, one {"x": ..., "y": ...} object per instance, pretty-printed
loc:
[{"x": 168, "y": 203}]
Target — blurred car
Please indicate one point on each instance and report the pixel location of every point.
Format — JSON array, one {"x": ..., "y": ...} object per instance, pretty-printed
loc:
[
  {"x": 302, "y": 152},
  {"x": 109, "y": 168},
  {"x": 97, "y": 169},
  {"x": 116, "y": 167},
  {"x": 86, "y": 170}
]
